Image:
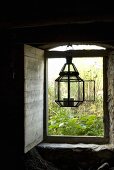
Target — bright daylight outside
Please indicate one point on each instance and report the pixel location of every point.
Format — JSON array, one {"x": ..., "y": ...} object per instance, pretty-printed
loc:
[{"x": 87, "y": 119}]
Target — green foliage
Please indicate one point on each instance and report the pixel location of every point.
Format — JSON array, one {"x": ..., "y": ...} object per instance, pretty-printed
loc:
[
  {"x": 75, "y": 121},
  {"x": 65, "y": 123},
  {"x": 85, "y": 120}
]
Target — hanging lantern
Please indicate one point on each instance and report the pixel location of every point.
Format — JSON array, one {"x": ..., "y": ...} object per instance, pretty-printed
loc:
[{"x": 70, "y": 89}]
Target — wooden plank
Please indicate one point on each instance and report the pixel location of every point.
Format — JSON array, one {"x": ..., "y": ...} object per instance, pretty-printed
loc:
[
  {"x": 76, "y": 53},
  {"x": 75, "y": 139},
  {"x": 34, "y": 99}
]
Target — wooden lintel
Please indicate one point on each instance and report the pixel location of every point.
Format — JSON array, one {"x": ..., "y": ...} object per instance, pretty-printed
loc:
[{"x": 76, "y": 53}]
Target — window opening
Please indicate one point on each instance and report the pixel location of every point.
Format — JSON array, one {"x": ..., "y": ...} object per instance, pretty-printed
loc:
[
  {"x": 87, "y": 119},
  {"x": 77, "y": 47}
]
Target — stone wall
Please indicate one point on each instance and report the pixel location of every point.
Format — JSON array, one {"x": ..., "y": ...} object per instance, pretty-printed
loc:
[
  {"x": 110, "y": 75},
  {"x": 76, "y": 156}
]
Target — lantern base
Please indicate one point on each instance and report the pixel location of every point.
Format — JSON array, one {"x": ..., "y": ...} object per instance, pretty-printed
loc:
[
  {"x": 66, "y": 103},
  {"x": 69, "y": 102}
]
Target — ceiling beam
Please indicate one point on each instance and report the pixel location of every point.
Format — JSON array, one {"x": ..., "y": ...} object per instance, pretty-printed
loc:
[
  {"x": 19, "y": 15},
  {"x": 96, "y": 32}
]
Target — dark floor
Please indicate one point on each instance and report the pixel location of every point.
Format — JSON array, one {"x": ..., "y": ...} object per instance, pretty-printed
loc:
[{"x": 55, "y": 157}]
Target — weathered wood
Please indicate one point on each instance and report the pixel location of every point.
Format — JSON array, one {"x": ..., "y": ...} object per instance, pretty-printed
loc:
[
  {"x": 33, "y": 91},
  {"x": 75, "y": 140},
  {"x": 76, "y": 53},
  {"x": 79, "y": 33}
]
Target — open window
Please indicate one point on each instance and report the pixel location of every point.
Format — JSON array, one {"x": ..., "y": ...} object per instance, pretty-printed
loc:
[
  {"x": 86, "y": 123},
  {"x": 42, "y": 113}
]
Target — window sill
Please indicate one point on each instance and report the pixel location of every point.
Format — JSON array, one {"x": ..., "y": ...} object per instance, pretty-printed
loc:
[
  {"x": 95, "y": 147},
  {"x": 84, "y": 155},
  {"x": 76, "y": 140}
]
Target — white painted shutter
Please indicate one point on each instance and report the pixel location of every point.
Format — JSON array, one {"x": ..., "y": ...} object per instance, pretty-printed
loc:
[{"x": 34, "y": 94}]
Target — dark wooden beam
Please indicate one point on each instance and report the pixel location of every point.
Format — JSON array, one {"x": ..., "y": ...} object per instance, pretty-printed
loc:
[
  {"x": 20, "y": 15},
  {"x": 95, "y": 32},
  {"x": 77, "y": 53}
]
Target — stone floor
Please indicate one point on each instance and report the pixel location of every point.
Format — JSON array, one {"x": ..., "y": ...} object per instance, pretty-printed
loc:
[
  {"x": 77, "y": 156},
  {"x": 46, "y": 156}
]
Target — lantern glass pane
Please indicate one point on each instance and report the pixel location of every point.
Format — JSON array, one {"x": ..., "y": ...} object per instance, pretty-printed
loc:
[
  {"x": 66, "y": 67},
  {"x": 63, "y": 90},
  {"x": 76, "y": 91},
  {"x": 64, "y": 79},
  {"x": 71, "y": 67},
  {"x": 56, "y": 90},
  {"x": 89, "y": 90}
]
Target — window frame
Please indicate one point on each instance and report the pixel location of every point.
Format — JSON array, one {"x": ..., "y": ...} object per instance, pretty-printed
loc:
[{"x": 77, "y": 139}]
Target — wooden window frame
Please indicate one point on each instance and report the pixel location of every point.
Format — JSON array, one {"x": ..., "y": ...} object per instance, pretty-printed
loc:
[{"x": 77, "y": 139}]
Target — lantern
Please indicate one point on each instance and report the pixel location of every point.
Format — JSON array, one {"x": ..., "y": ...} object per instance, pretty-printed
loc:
[{"x": 70, "y": 89}]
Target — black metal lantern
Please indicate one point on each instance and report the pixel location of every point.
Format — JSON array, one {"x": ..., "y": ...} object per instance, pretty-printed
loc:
[{"x": 70, "y": 89}]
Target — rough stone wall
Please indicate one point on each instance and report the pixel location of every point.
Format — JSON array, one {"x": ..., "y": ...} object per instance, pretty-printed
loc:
[
  {"x": 34, "y": 82},
  {"x": 110, "y": 74}
]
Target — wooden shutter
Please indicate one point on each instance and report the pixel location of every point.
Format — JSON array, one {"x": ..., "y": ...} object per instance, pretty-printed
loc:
[{"x": 33, "y": 92}]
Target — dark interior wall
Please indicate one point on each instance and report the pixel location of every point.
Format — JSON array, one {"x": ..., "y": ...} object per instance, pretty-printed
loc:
[
  {"x": 12, "y": 104},
  {"x": 91, "y": 28}
]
